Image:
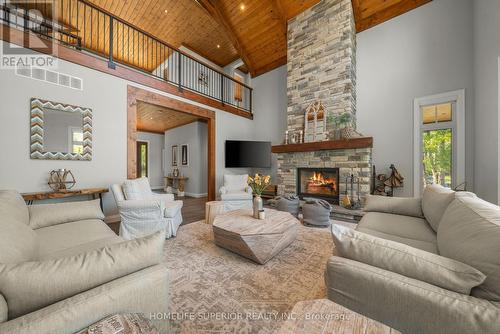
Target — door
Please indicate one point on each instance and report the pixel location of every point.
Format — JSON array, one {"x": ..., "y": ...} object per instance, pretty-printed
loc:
[{"x": 142, "y": 159}]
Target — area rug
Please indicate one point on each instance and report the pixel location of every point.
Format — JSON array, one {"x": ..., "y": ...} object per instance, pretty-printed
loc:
[{"x": 216, "y": 291}]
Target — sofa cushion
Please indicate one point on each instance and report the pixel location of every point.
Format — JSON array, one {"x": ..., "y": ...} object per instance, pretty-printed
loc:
[
  {"x": 61, "y": 237},
  {"x": 411, "y": 231},
  {"x": 405, "y": 260},
  {"x": 17, "y": 240},
  {"x": 435, "y": 200},
  {"x": 29, "y": 286},
  {"x": 469, "y": 232},
  {"x": 137, "y": 189},
  {"x": 82, "y": 248},
  {"x": 44, "y": 215},
  {"x": 396, "y": 205},
  {"x": 15, "y": 206},
  {"x": 235, "y": 182}
]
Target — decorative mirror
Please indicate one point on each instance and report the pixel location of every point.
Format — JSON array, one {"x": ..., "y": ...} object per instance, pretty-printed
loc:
[{"x": 60, "y": 131}]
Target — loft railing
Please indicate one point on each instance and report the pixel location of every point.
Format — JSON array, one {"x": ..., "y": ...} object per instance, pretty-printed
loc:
[{"x": 88, "y": 28}]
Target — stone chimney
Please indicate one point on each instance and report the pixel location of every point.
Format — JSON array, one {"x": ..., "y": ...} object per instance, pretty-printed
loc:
[{"x": 322, "y": 62}]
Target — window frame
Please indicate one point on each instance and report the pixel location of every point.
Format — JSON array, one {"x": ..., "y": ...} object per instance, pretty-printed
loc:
[{"x": 457, "y": 125}]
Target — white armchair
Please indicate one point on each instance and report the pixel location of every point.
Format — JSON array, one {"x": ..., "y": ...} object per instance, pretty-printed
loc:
[
  {"x": 143, "y": 212},
  {"x": 235, "y": 193}
]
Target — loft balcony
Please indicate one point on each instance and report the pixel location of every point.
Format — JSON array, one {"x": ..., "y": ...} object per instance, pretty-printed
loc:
[{"x": 86, "y": 28}]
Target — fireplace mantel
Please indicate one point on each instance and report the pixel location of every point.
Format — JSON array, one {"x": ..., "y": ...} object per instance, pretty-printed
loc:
[{"x": 363, "y": 142}]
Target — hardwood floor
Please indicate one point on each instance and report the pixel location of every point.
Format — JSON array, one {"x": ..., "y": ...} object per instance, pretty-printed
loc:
[{"x": 193, "y": 210}]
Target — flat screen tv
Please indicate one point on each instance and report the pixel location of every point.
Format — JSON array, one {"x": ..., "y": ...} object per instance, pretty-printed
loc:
[{"x": 255, "y": 154}]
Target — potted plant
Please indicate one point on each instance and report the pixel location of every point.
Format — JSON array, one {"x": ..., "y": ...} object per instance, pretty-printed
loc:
[{"x": 258, "y": 183}]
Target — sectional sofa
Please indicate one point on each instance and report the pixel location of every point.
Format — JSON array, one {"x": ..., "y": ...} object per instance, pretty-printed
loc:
[
  {"x": 422, "y": 265},
  {"x": 62, "y": 268}
]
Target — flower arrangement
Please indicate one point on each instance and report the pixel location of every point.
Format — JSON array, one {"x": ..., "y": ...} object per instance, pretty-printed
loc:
[{"x": 259, "y": 183}]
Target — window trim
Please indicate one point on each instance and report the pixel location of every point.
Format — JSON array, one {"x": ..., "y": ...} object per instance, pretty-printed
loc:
[{"x": 458, "y": 98}]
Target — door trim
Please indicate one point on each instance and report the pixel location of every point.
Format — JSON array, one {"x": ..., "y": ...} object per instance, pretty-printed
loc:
[{"x": 135, "y": 94}]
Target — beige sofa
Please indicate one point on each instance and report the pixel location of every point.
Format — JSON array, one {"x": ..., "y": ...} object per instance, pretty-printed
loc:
[
  {"x": 71, "y": 239},
  {"x": 457, "y": 229}
]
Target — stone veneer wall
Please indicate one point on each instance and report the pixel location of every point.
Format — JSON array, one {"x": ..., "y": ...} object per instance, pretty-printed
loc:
[
  {"x": 322, "y": 66},
  {"x": 322, "y": 61}
]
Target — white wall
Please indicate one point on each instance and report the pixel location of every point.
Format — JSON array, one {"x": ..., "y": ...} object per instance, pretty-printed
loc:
[
  {"x": 423, "y": 52},
  {"x": 155, "y": 157},
  {"x": 196, "y": 136},
  {"x": 486, "y": 66},
  {"x": 270, "y": 110}
]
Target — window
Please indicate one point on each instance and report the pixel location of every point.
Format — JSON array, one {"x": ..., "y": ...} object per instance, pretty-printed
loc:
[
  {"x": 439, "y": 142},
  {"x": 76, "y": 140}
]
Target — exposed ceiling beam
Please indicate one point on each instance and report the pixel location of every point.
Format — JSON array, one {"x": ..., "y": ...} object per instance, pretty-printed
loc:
[
  {"x": 213, "y": 8},
  {"x": 364, "y": 23},
  {"x": 280, "y": 12}
]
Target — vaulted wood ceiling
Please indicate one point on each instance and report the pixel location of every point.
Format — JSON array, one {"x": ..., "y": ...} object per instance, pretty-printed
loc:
[
  {"x": 226, "y": 30},
  {"x": 156, "y": 119}
]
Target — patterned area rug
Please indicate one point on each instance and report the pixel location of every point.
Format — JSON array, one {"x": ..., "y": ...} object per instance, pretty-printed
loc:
[{"x": 216, "y": 291}]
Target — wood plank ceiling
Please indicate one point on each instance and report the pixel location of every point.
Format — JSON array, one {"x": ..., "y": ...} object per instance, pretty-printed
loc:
[
  {"x": 226, "y": 30},
  {"x": 157, "y": 119}
]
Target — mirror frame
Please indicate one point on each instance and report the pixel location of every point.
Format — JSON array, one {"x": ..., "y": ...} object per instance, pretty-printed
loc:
[{"x": 36, "y": 133}]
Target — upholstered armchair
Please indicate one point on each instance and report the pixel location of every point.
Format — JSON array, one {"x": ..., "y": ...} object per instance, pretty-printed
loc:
[
  {"x": 143, "y": 212},
  {"x": 235, "y": 193}
]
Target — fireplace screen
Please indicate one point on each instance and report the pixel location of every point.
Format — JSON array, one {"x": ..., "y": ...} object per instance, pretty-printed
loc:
[{"x": 318, "y": 182}]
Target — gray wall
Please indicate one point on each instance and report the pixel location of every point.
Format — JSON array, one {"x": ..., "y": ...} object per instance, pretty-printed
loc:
[
  {"x": 424, "y": 52},
  {"x": 195, "y": 135},
  {"x": 486, "y": 53},
  {"x": 156, "y": 144}
]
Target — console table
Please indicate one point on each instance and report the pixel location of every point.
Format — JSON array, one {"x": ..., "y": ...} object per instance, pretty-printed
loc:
[
  {"x": 92, "y": 193},
  {"x": 175, "y": 182}
]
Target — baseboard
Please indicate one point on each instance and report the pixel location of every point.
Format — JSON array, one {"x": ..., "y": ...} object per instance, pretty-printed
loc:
[{"x": 196, "y": 195}]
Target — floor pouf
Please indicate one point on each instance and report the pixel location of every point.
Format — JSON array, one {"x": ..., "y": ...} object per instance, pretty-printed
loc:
[
  {"x": 212, "y": 209},
  {"x": 288, "y": 203},
  {"x": 316, "y": 212}
]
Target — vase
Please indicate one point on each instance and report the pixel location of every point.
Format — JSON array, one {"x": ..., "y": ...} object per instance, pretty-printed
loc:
[{"x": 257, "y": 206}]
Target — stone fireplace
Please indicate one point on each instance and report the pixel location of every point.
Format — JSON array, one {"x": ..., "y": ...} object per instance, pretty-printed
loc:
[
  {"x": 322, "y": 67},
  {"x": 318, "y": 182}
]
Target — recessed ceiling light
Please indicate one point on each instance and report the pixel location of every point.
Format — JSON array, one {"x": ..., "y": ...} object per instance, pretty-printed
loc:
[
  {"x": 218, "y": 46},
  {"x": 242, "y": 7}
]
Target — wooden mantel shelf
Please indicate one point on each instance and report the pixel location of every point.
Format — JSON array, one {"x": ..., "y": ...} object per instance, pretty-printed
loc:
[{"x": 363, "y": 142}]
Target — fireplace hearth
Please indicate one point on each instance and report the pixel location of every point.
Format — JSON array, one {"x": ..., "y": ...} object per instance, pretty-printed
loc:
[{"x": 320, "y": 183}]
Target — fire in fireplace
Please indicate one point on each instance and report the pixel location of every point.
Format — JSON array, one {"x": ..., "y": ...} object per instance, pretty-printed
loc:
[{"x": 318, "y": 182}]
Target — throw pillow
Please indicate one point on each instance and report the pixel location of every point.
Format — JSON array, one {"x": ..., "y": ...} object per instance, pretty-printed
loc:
[
  {"x": 395, "y": 205},
  {"x": 405, "y": 260},
  {"x": 435, "y": 200},
  {"x": 137, "y": 189},
  {"x": 44, "y": 215},
  {"x": 235, "y": 182},
  {"x": 17, "y": 240},
  {"x": 29, "y": 286},
  {"x": 470, "y": 232}
]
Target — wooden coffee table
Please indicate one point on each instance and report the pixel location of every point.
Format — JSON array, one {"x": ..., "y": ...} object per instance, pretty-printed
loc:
[{"x": 257, "y": 240}]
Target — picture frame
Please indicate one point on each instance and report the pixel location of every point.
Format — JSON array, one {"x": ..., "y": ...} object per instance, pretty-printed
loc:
[
  {"x": 185, "y": 155},
  {"x": 174, "y": 155}
]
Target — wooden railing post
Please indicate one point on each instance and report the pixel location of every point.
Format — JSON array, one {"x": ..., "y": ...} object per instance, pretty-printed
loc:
[{"x": 111, "y": 63}]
